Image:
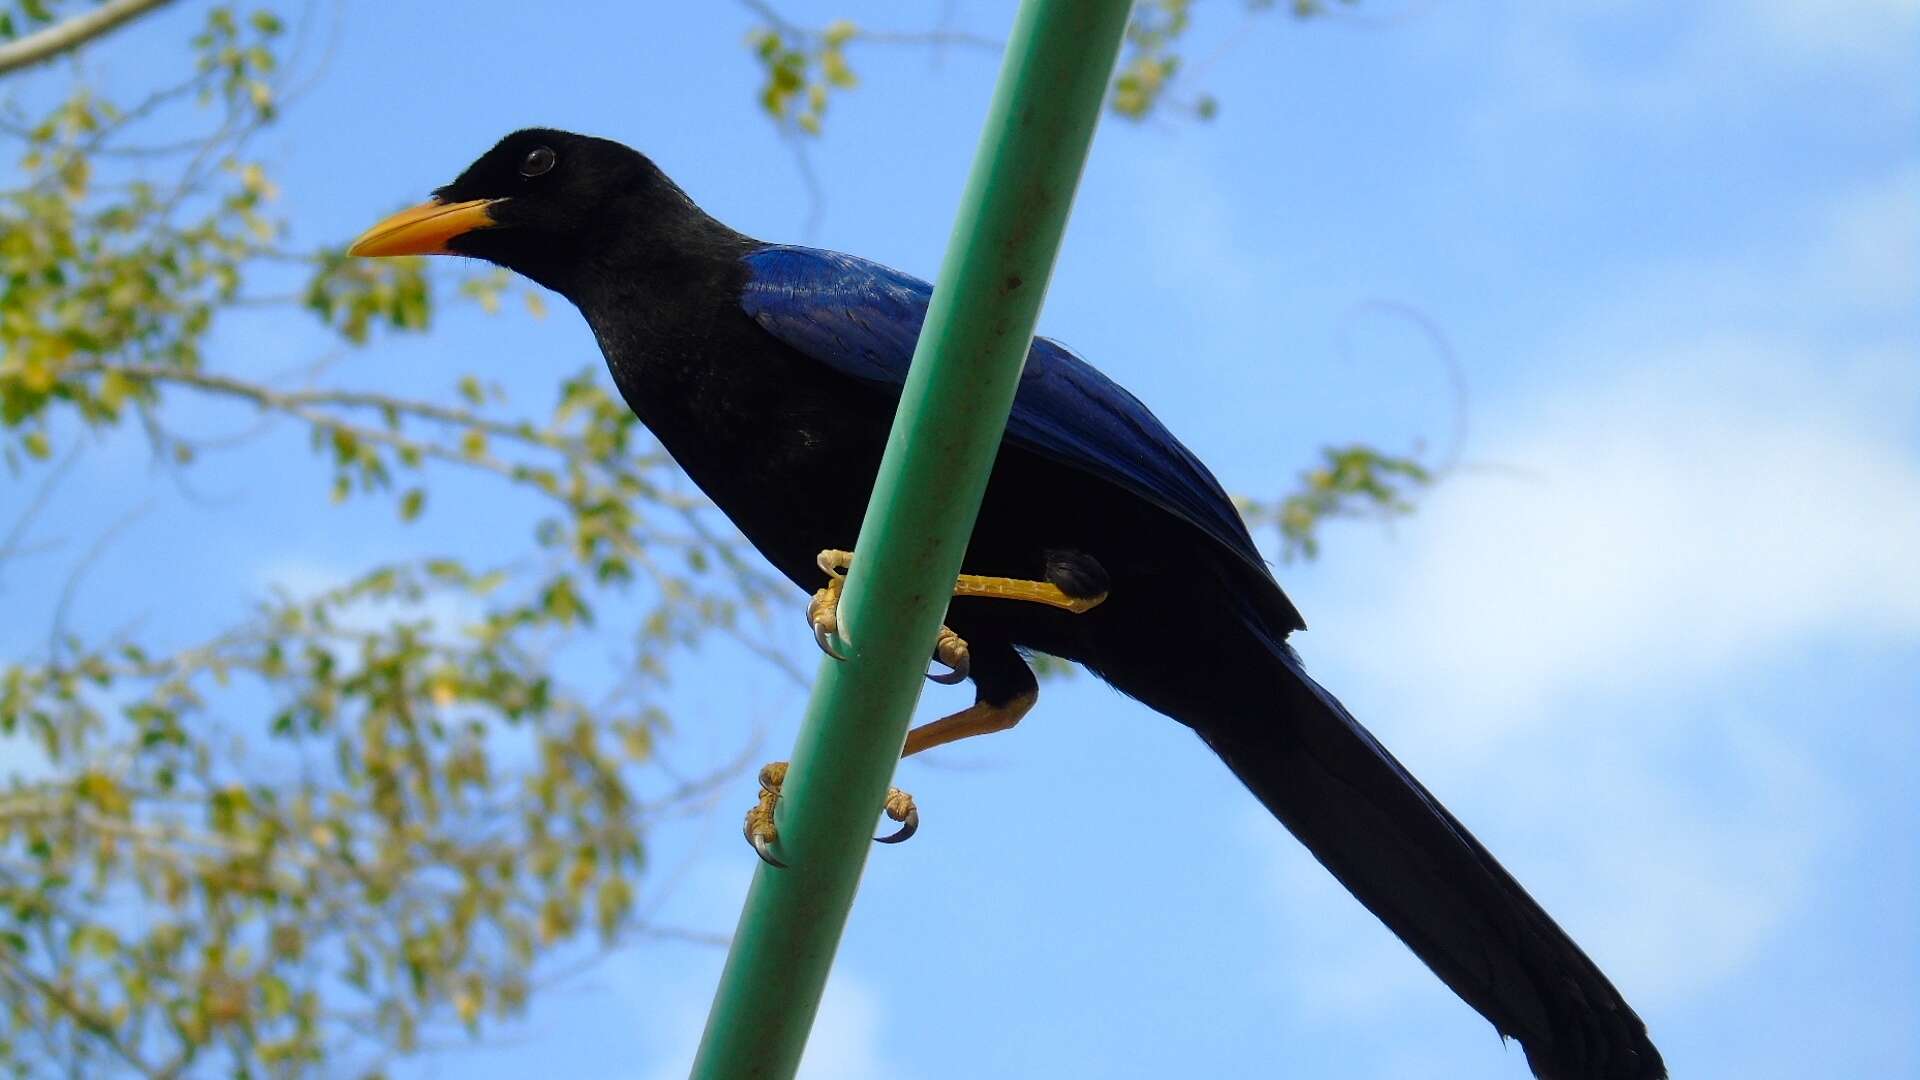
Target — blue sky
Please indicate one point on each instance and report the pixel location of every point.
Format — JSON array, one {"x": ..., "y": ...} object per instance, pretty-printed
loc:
[{"x": 1656, "y": 639}]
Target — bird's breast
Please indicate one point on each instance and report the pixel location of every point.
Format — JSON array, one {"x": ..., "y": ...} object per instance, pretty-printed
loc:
[{"x": 787, "y": 450}]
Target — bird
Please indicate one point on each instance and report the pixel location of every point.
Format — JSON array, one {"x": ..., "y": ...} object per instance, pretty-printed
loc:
[{"x": 771, "y": 373}]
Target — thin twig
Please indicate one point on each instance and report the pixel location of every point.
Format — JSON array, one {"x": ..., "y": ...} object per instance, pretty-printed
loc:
[
  {"x": 14, "y": 544},
  {"x": 57, "y": 631},
  {"x": 1442, "y": 347},
  {"x": 90, "y": 1021},
  {"x": 66, "y": 36},
  {"x": 302, "y": 404}
]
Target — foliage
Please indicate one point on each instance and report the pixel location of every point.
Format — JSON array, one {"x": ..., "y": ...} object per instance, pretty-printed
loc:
[
  {"x": 803, "y": 67},
  {"x": 342, "y": 822},
  {"x": 23, "y": 17},
  {"x": 350, "y": 856},
  {"x": 1351, "y": 481},
  {"x": 350, "y": 821}
]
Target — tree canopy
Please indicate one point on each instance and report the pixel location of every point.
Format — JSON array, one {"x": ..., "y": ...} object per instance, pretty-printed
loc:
[{"x": 298, "y": 845}]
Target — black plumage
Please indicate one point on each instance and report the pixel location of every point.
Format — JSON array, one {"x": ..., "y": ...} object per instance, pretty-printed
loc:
[{"x": 770, "y": 374}]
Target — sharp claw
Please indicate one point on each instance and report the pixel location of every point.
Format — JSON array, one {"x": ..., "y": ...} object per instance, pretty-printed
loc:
[
  {"x": 823, "y": 638},
  {"x": 762, "y": 838},
  {"x": 957, "y": 675},
  {"x": 823, "y": 615},
  {"x": 908, "y": 826},
  {"x": 758, "y": 828},
  {"x": 765, "y": 851},
  {"x": 899, "y": 807}
]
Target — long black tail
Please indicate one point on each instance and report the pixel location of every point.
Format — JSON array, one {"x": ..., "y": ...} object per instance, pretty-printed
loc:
[{"x": 1404, "y": 856}]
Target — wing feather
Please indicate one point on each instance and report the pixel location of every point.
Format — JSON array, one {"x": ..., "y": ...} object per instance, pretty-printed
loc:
[{"x": 862, "y": 319}]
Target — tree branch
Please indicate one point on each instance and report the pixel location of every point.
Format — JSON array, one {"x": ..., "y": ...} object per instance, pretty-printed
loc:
[
  {"x": 65, "y": 36},
  {"x": 303, "y": 405},
  {"x": 292, "y": 401},
  {"x": 100, "y": 1027}
]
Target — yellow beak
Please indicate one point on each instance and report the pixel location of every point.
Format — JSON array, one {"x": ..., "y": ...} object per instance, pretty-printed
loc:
[{"x": 424, "y": 229}]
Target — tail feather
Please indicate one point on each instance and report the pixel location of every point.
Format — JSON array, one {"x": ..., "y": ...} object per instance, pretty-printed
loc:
[{"x": 1400, "y": 853}]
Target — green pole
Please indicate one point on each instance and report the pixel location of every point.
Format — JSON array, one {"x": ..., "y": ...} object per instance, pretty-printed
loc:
[{"x": 952, "y": 412}]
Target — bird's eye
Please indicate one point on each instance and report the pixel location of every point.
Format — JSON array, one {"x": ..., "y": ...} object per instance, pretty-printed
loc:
[{"x": 538, "y": 160}]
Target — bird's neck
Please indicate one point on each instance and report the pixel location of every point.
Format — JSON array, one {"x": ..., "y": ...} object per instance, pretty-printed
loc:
[
  {"x": 665, "y": 311},
  {"x": 657, "y": 297}
]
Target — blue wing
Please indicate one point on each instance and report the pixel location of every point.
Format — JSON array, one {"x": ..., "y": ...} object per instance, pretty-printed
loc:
[{"x": 861, "y": 319}]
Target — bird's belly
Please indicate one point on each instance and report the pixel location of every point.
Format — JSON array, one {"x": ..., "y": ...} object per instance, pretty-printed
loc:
[
  {"x": 793, "y": 469},
  {"x": 793, "y": 490}
]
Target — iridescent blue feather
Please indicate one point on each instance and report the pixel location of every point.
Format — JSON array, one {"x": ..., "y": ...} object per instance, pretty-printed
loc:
[{"x": 861, "y": 319}]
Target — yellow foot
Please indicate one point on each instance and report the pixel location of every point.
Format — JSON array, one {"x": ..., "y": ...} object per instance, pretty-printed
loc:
[
  {"x": 901, "y": 809},
  {"x": 759, "y": 828},
  {"x": 823, "y": 611},
  {"x": 823, "y": 615},
  {"x": 760, "y": 832},
  {"x": 951, "y": 650}
]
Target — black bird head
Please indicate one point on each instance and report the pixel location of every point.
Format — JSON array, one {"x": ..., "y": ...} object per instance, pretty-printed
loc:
[{"x": 549, "y": 204}]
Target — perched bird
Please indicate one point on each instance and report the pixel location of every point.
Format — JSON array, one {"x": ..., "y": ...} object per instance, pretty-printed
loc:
[{"x": 771, "y": 373}]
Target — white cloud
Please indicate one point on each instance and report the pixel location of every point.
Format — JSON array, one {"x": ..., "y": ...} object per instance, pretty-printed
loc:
[
  {"x": 1688, "y": 68},
  {"x": 1670, "y": 889},
  {"x": 1548, "y": 645},
  {"x": 1835, "y": 32},
  {"x": 1868, "y": 255},
  {"x": 1711, "y": 509},
  {"x": 1676, "y": 510},
  {"x": 1716, "y": 872},
  {"x": 1539, "y": 651},
  {"x": 1814, "y": 268}
]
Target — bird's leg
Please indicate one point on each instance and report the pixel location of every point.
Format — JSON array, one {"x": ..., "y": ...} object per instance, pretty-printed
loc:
[
  {"x": 823, "y": 611},
  {"x": 761, "y": 833},
  {"x": 980, "y": 718},
  {"x": 1037, "y": 592},
  {"x": 1087, "y": 582}
]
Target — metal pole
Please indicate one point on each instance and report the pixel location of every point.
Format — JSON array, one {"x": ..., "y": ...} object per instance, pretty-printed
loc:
[{"x": 952, "y": 412}]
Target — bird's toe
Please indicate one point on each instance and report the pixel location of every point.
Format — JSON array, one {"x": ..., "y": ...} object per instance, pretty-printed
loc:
[
  {"x": 759, "y": 829},
  {"x": 951, "y": 650},
  {"x": 823, "y": 611},
  {"x": 900, "y": 808}
]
